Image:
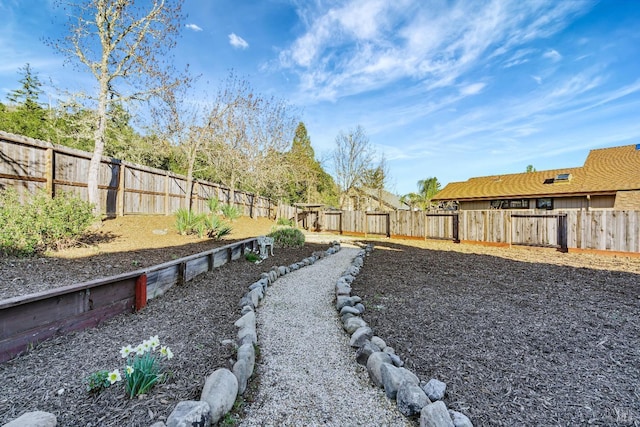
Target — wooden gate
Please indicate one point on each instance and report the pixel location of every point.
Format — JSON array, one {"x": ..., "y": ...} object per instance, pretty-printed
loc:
[{"x": 539, "y": 230}]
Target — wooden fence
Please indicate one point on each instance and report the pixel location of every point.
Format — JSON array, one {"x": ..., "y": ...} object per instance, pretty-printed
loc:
[
  {"x": 600, "y": 230},
  {"x": 125, "y": 188},
  {"x": 29, "y": 319}
]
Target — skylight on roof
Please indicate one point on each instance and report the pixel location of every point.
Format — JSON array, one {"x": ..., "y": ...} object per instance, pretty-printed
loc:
[{"x": 563, "y": 177}]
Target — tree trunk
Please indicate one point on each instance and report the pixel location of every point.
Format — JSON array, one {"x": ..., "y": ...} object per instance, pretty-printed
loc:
[
  {"x": 99, "y": 137},
  {"x": 189, "y": 190}
]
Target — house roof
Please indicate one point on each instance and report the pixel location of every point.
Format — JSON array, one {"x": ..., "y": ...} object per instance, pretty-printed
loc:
[
  {"x": 388, "y": 198},
  {"x": 606, "y": 171}
]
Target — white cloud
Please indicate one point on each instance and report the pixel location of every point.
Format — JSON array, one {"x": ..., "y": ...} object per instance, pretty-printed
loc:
[
  {"x": 552, "y": 54},
  {"x": 472, "y": 89},
  {"x": 363, "y": 45},
  {"x": 193, "y": 27},
  {"x": 538, "y": 79},
  {"x": 237, "y": 41},
  {"x": 519, "y": 57}
]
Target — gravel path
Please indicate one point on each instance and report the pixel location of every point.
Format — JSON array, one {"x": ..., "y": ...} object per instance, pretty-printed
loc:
[{"x": 308, "y": 374}]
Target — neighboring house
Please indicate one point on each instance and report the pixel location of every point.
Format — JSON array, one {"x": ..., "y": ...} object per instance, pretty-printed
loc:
[
  {"x": 370, "y": 199},
  {"x": 609, "y": 179}
]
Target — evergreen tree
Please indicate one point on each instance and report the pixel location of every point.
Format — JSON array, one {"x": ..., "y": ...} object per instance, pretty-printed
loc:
[
  {"x": 308, "y": 181},
  {"x": 24, "y": 115}
]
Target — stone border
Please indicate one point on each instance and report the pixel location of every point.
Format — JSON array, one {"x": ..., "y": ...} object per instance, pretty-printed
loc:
[
  {"x": 223, "y": 386},
  {"x": 385, "y": 368}
]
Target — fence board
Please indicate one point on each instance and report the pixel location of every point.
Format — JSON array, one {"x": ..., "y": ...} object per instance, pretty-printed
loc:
[
  {"x": 598, "y": 230},
  {"x": 124, "y": 188}
]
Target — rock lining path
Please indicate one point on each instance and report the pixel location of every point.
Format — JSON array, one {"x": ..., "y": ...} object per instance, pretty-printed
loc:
[{"x": 308, "y": 374}]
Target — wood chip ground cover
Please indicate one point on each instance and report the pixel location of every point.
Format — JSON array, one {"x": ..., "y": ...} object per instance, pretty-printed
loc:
[
  {"x": 192, "y": 320},
  {"x": 521, "y": 337}
]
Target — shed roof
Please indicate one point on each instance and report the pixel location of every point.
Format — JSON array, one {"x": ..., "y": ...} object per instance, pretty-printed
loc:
[{"x": 606, "y": 171}]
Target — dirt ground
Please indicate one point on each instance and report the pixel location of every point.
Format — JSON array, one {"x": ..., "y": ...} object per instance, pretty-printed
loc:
[
  {"x": 122, "y": 244},
  {"x": 521, "y": 337},
  {"x": 192, "y": 320}
]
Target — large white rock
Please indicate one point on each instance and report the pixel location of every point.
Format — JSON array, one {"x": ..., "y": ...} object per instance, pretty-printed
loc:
[
  {"x": 435, "y": 389},
  {"x": 248, "y": 319},
  {"x": 460, "y": 419},
  {"x": 360, "y": 336},
  {"x": 220, "y": 391},
  {"x": 435, "y": 415},
  {"x": 392, "y": 377},
  {"x": 189, "y": 413},
  {"x": 411, "y": 399},
  {"x": 353, "y": 323},
  {"x": 34, "y": 419},
  {"x": 243, "y": 368},
  {"x": 374, "y": 364}
]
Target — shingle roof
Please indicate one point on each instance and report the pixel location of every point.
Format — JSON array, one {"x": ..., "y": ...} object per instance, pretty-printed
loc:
[
  {"x": 606, "y": 170},
  {"x": 388, "y": 198}
]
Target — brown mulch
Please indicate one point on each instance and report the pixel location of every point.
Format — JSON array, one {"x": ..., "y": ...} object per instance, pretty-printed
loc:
[
  {"x": 520, "y": 337},
  {"x": 192, "y": 320},
  {"x": 121, "y": 245}
]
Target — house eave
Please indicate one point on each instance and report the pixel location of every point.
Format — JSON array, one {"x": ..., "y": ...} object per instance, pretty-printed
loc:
[{"x": 528, "y": 196}]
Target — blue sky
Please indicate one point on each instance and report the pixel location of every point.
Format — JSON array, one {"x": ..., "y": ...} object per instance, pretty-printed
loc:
[{"x": 451, "y": 89}]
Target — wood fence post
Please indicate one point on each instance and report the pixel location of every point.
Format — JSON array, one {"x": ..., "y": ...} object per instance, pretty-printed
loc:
[
  {"x": 210, "y": 261},
  {"x": 182, "y": 273},
  {"x": 388, "y": 225},
  {"x": 166, "y": 193},
  {"x": 366, "y": 224},
  {"x": 509, "y": 218},
  {"x": 141, "y": 292},
  {"x": 50, "y": 170},
  {"x": 562, "y": 232},
  {"x": 456, "y": 228},
  {"x": 120, "y": 192}
]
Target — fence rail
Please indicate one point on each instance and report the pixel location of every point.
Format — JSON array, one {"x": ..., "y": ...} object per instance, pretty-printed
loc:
[
  {"x": 125, "y": 188},
  {"x": 29, "y": 319}
]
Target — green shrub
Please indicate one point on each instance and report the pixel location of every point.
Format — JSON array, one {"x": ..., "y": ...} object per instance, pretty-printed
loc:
[
  {"x": 252, "y": 257},
  {"x": 230, "y": 212},
  {"x": 286, "y": 222},
  {"x": 41, "y": 223},
  {"x": 287, "y": 237},
  {"x": 97, "y": 381}
]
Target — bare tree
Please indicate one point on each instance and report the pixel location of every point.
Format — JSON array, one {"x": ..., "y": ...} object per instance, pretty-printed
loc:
[
  {"x": 181, "y": 123},
  {"x": 352, "y": 158},
  {"x": 249, "y": 135},
  {"x": 122, "y": 43}
]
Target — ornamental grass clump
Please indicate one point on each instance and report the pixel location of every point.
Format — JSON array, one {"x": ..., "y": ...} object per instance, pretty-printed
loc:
[
  {"x": 230, "y": 212},
  {"x": 189, "y": 222},
  {"x": 141, "y": 372}
]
